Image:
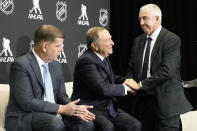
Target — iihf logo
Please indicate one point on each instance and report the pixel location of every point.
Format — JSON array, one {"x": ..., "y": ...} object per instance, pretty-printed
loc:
[
  {"x": 83, "y": 18},
  {"x": 62, "y": 57},
  {"x": 81, "y": 49},
  {"x": 61, "y": 11},
  {"x": 7, "y": 6},
  {"x": 35, "y": 13},
  {"x": 8, "y": 56},
  {"x": 103, "y": 17}
]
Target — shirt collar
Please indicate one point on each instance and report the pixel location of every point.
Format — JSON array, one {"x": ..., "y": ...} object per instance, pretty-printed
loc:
[
  {"x": 40, "y": 61},
  {"x": 155, "y": 34},
  {"x": 101, "y": 57}
]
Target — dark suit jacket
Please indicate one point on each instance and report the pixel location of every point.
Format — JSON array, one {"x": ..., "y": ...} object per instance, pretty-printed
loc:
[
  {"x": 27, "y": 89},
  {"x": 165, "y": 81},
  {"x": 94, "y": 83}
]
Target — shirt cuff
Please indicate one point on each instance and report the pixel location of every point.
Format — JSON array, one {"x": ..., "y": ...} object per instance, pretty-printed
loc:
[
  {"x": 141, "y": 84},
  {"x": 125, "y": 88}
]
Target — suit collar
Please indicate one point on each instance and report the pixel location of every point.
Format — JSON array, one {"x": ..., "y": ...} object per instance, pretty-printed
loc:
[
  {"x": 101, "y": 57},
  {"x": 155, "y": 34},
  {"x": 53, "y": 73},
  {"x": 139, "y": 51},
  {"x": 39, "y": 60},
  {"x": 35, "y": 66},
  {"x": 100, "y": 62},
  {"x": 158, "y": 42},
  {"x": 143, "y": 40}
]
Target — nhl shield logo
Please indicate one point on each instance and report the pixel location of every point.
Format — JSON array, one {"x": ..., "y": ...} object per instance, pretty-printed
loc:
[
  {"x": 7, "y": 6},
  {"x": 103, "y": 18},
  {"x": 61, "y": 11},
  {"x": 81, "y": 49}
]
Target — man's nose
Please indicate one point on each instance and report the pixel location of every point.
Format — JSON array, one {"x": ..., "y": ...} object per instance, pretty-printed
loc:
[
  {"x": 112, "y": 42},
  {"x": 61, "y": 48},
  {"x": 141, "y": 22}
]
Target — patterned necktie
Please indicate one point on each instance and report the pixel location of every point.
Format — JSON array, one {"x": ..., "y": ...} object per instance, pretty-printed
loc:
[
  {"x": 48, "y": 84},
  {"x": 146, "y": 59}
]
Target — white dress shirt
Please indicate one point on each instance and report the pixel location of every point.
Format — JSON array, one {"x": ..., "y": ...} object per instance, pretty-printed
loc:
[{"x": 153, "y": 36}]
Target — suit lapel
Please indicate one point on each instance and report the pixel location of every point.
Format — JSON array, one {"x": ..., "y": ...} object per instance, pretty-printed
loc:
[
  {"x": 36, "y": 69},
  {"x": 100, "y": 62},
  {"x": 157, "y": 44},
  {"x": 110, "y": 72},
  {"x": 140, "y": 52},
  {"x": 52, "y": 73}
]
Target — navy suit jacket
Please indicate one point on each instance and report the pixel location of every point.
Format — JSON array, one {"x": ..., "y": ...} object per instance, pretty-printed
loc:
[
  {"x": 94, "y": 83},
  {"x": 27, "y": 89},
  {"x": 165, "y": 82}
]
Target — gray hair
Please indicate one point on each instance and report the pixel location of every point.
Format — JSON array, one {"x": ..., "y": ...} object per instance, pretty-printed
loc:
[{"x": 156, "y": 11}]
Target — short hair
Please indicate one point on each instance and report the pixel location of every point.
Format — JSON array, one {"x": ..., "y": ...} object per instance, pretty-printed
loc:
[
  {"x": 47, "y": 33},
  {"x": 92, "y": 35},
  {"x": 155, "y": 10}
]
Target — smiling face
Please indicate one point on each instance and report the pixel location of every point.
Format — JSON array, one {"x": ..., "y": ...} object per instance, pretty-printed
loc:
[
  {"x": 148, "y": 20},
  {"x": 52, "y": 49},
  {"x": 104, "y": 44}
]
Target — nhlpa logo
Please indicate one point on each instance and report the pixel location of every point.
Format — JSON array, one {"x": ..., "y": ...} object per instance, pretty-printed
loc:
[
  {"x": 83, "y": 18},
  {"x": 103, "y": 17},
  {"x": 35, "y": 12},
  {"x": 62, "y": 57},
  {"x": 7, "y": 6},
  {"x": 81, "y": 49},
  {"x": 61, "y": 11},
  {"x": 31, "y": 44},
  {"x": 5, "y": 51}
]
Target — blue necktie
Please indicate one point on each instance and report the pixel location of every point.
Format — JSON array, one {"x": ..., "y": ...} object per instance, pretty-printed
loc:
[
  {"x": 112, "y": 111},
  {"x": 146, "y": 59},
  {"x": 48, "y": 84}
]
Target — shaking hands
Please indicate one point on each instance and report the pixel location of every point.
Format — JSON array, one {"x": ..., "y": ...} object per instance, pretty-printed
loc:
[{"x": 132, "y": 85}]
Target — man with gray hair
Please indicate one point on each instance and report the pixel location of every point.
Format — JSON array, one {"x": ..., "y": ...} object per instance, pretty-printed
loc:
[{"x": 154, "y": 70}]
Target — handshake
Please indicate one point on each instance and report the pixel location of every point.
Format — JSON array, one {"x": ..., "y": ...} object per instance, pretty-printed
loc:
[{"x": 131, "y": 85}]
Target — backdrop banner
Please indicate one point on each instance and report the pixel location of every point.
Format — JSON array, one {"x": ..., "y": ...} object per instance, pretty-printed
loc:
[{"x": 20, "y": 18}]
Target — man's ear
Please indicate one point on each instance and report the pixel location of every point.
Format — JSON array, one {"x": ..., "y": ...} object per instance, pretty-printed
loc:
[
  {"x": 44, "y": 46},
  {"x": 157, "y": 18},
  {"x": 93, "y": 45}
]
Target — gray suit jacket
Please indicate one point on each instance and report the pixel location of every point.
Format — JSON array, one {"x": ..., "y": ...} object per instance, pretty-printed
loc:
[
  {"x": 27, "y": 89},
  {"x": 165, "y": 81}
]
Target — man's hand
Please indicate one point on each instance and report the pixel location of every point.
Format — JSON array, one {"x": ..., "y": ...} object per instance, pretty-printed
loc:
[
  {"x": 132, "y": 84},
  {"x": 129, "y": 90},
  {"x": 81, "y": 111},
  {"x": 84, "y": 114}
]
